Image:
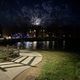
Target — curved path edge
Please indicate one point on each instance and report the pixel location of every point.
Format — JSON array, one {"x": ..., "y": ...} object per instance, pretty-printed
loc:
[{"x": 17, "y": 66}]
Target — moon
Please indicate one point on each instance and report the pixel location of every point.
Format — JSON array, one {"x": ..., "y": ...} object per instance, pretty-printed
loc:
[{"x": 36, "y": 21}]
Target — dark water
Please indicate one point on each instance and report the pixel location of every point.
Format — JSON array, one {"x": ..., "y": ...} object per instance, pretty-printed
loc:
[
  {"x": 73, "y": 45},
  {"x": 66, "y": 44}
]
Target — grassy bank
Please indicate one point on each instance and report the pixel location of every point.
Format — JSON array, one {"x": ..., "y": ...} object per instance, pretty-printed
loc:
[{"x": 60, "y": 66}]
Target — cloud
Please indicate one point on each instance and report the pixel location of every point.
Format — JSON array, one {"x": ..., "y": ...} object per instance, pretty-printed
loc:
[{"x": 45, "y": 13}]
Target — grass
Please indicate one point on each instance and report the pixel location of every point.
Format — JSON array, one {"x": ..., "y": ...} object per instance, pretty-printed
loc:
[{"x": 60, "y": 66}]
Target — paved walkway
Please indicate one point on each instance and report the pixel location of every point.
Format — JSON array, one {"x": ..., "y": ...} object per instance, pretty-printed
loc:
[{"x": 10, "y": 70}]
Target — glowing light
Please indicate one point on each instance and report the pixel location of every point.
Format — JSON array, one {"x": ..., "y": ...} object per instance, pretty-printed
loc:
[{"x": 36, "y": 21}]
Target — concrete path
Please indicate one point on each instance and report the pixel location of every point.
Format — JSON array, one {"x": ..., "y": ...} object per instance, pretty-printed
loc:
[{"x": 10, "y": 70}]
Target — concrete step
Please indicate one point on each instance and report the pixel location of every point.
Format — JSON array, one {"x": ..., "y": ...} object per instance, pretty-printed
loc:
[
  {"x": 11, "y": 69},
  {"x": 25, "y": 51},
  {"x": 31, "y": 54},
  {"x": 20, "y": 59},
  {"x": 11, "y": 66},
  {"x": 5, "y": 63},
  {"x": 16, "y": 58},
  {"x": 36, "y": 61},
  {"x": 26, "y": 61}
]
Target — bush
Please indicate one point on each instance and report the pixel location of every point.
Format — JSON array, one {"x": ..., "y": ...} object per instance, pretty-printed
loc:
[{"x": 8, "y": 54}]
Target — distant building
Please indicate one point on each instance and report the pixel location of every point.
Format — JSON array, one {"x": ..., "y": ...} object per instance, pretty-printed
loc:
[{"x": 49, "y": 37}]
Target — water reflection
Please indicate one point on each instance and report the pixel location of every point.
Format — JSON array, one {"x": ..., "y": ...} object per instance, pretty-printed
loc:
[
  {"x": 64, "y": 44},
  {"x": 43, "y": 44}
]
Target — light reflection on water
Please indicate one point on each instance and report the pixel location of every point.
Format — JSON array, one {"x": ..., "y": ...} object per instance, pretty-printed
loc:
[{"x": 42, "y": 44}]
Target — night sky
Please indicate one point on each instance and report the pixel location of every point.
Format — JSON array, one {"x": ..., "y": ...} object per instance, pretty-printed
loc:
[{"x": 39, "y": 12}]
